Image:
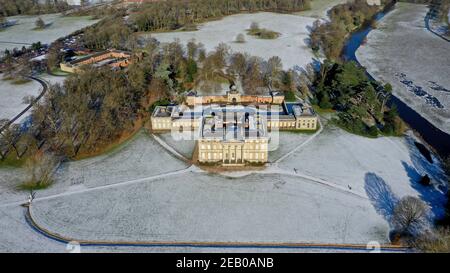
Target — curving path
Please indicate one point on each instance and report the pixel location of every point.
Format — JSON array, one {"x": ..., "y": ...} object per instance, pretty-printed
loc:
[{"x": 44, "y": 90}]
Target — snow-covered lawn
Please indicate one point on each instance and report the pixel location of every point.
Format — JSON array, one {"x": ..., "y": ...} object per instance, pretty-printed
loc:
[
  {"x": 17, "y": 236},
  {"x": 184, "y": 147},
  {"x": 365, "y": 165},
  {"x": 283, "y": 142},
  {"x": 291, "y": 46},
  {"x": 202, "y": 207},
  {"x": 23, "y": 31},
  {"x": 415, "y": 61},
  {"x": 139, "y": 158},
  {"x": 11, "y": 97}
]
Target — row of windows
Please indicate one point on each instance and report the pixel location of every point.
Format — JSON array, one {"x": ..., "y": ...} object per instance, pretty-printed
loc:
[
  {"x": 256, "y": 156},
  {"x": 218, "y": 146},
  {"x": 161, "y": 125},
  {"x": 282, "y": 124},
  {"x": 233, "y": 156},
  {"x": 308, "y": 125}
]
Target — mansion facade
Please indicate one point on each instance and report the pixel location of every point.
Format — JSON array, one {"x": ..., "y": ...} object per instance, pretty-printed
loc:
[{"x": 233, "y": 129}]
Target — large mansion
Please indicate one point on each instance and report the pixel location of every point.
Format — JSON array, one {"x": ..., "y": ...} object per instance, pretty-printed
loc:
[{"x": 233, "y": 129}]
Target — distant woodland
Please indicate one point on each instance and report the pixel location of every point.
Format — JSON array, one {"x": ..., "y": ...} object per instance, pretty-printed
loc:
[
  {"x": 173, "y": 14},
  {"x": 31, "y": 7}
]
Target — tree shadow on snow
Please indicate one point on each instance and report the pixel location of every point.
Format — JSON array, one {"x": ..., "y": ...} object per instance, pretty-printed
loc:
[
  {"x": 380, "y": 195},
  {"x": 435, "y": 193}
]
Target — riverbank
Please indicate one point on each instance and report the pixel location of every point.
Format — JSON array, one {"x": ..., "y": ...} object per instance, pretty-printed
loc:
[{"x": 400, "y": 61}]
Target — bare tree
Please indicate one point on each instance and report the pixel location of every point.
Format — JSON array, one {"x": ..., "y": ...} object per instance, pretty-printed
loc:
[
  {"x": 192, "y": 49},
  {"x": 409, "y": 215},
  {"x": 240, "y": 38},
  {"x": 39, "y": 168},
  {"x": 9, "y": 136},
  {"x": 254, "y": 26},
  {"x": 238, "y": 64},
  {"x": 274, "y": 69},
  {"x": 253, "y": 78},
  {"x": 40, "y": 24}
]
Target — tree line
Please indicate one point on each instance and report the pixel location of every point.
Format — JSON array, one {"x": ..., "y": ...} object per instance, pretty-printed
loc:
[
  {"x": 31, "y": 7},
  {"x": 173, "y": 14}
]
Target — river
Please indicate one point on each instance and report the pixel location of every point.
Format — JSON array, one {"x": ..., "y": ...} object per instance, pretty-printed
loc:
[{"x": 439, "y": 140}]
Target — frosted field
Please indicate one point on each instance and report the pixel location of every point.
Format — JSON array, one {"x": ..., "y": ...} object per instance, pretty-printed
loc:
[
  {"x": 416, "y": 62},
  {"x": 184, "y": 147},
  {"x": 369, "y": 165},
  {"x": 17, "y": 236},
  {"x": 286, "y": 142},
  {"x": 23, "y": 34},
  {"x": 11, "y": 97},
  {"x": 291, "y": 46},
  {"x": 139, "y": 158},
  {"x": 197, "y": 207}
]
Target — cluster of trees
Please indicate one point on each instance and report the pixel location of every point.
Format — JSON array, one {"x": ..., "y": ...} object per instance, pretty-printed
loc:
[
  {"x": 256, "y": 75},
  {"x": 173, "y": 14},
  {"x": 330, "y": 36},
  {"x": 262, "y": 33},
  {"x": 111, "y": 32},
  {"x": 360, "y": 102},
  {"x": 92, "y": 109},
  {"x": 17, "y": 7},
  {"x": 16, "y": 64}
]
